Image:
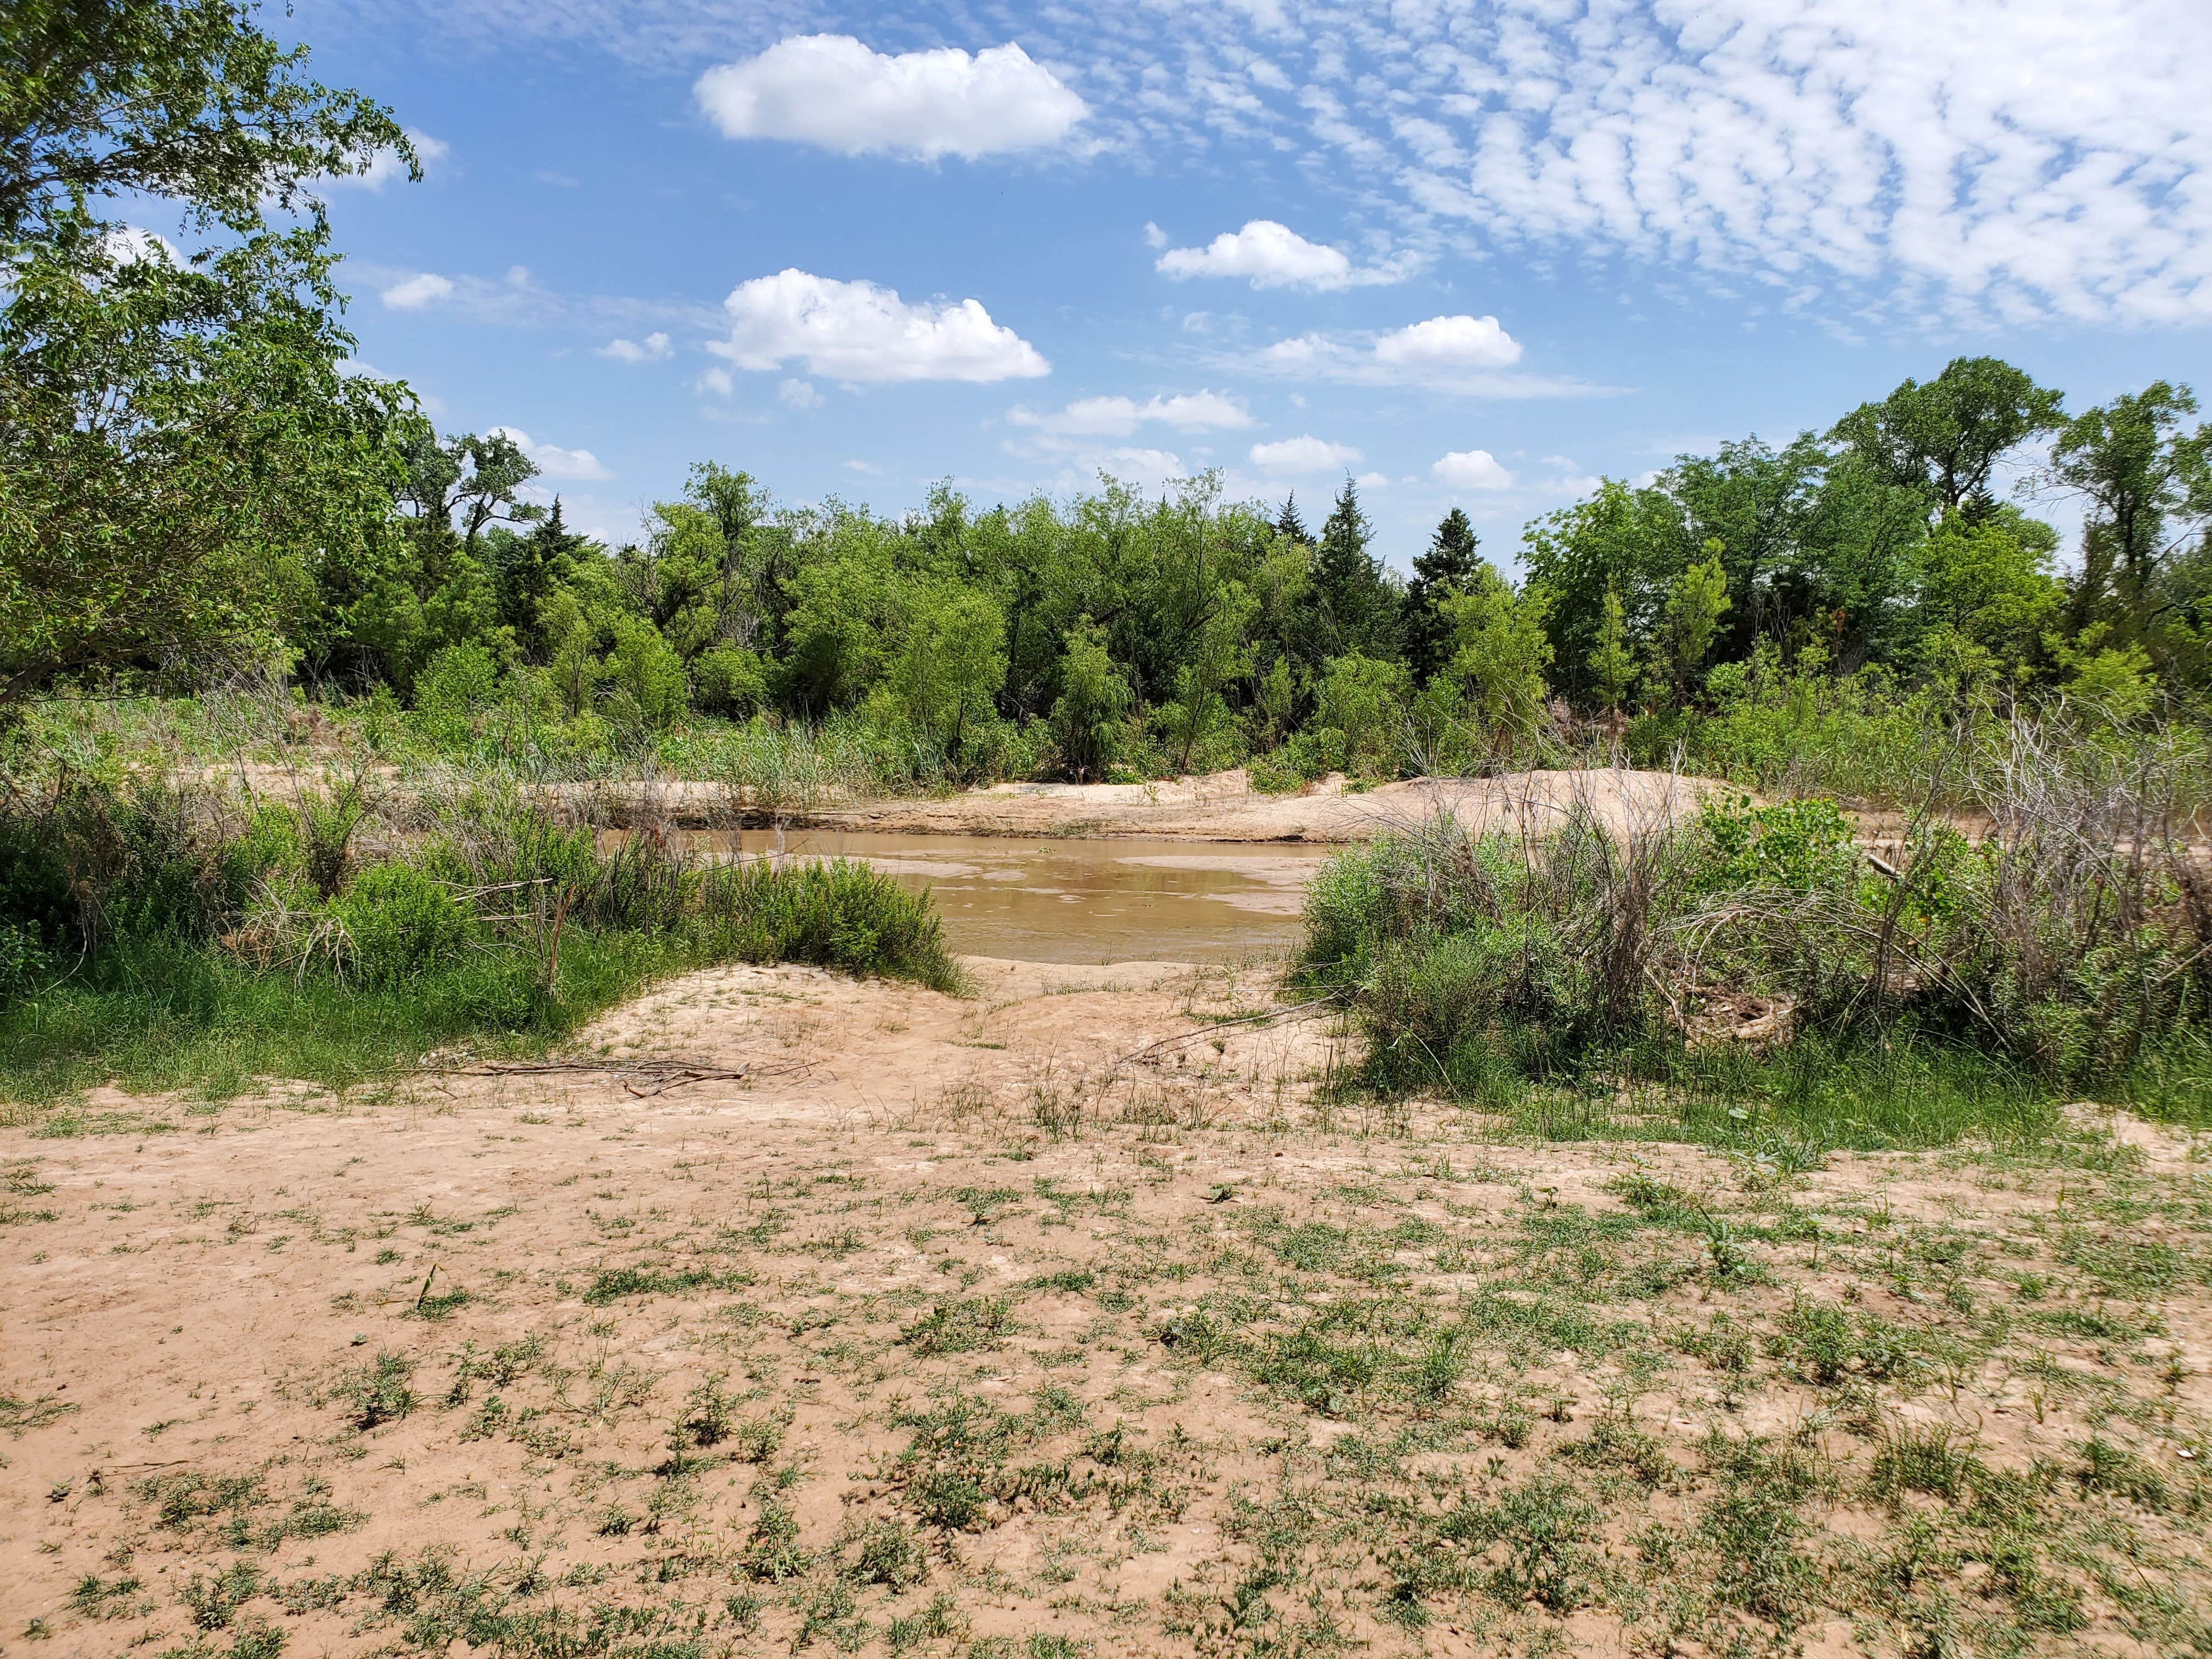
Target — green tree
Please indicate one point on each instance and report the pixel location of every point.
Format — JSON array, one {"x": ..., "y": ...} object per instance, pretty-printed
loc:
[
  {"x": 1691, "y": 622},
  {"x": 1986, "y": 595},
  {"x": 1490, "y": 697},
  {"x": 953, "y": 661},
  {"x": 1088, "y": 717},
  {"x": 181, "y": 461},
  {"x": 1218, "y": 655},
  {"x": 2146, "y": 479},
  {"x": 1365, "y": 699},
  {"x": 1359, "y": 610},
  {"x": 1444, "y": 569},
  {"x": 1624, "y": 541},
  {"x": 185, "y": 100},
  {"x": 463, "y": 485},
  {"x": 1943, "y": 438},
  {"x": 1612, "y": 664},
  {"x": 180, "y": 455},
  {"x": 528, "y": 570}
]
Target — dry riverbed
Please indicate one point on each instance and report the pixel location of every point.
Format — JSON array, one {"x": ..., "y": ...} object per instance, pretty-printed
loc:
[{"x": 952, "y": 1328}]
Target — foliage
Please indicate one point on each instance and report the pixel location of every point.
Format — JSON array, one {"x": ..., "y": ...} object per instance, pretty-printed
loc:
[{"x": 2067, "y": 946}]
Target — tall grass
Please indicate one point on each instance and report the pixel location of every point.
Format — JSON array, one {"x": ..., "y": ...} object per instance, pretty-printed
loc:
[
  {"x": 1755, "y": 959},
  {"x": 179, "y": 937}
]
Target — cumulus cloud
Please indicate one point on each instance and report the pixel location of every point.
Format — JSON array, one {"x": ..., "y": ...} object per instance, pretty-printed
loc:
[
  {"x": 652, "y": 349},
  {"x": 832, "y": 91},
  {"x": 1117, "y": 417},
  {"x": 1272, "y": 255},
  {"x": 1449, "y": 342},
  {"x": 555, "y": 464},
  {"x": 793, "y": 393},
  {"x": 1471, "y": 469},
  {"x": 1303, "y": 454},
  {"x": 1473, "y": 356},
  {"x": 865, "y": 469},
  {"x": 860, "y": 332},
  {"x": 414, "y": 293}
]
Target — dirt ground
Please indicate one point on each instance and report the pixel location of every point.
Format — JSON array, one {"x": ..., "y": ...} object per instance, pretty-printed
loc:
[
  {"x": 1218, "y": 806},
  {"x": 1066, "y": 1319}
]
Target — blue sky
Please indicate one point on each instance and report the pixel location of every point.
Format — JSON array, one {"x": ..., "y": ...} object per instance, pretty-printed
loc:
[{"x": 1476, "y": 254}]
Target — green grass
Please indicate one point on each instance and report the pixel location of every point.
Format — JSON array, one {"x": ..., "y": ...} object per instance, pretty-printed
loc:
[{"x": 164, "y": 1013}]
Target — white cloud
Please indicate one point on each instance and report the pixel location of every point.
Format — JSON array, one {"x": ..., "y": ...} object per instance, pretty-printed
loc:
[
  {"x": 414, "y": 293},
  {"x": 555, "y": 464},
  {"x": 1472, "y": 357},
  {"x": 866, "y": 469},
  {"x": 1305, "y": 454},
  {"x": 1471, "y": 469},
  {"x": 1449, "y": 342},
  {"x": 1155, "y": 238},
  {"x": 716, "y": 381},
  {"x": 652, "y": 349},
  {"x": 793, "y": 393},
  {"x": 860, "y": 332},
  {"x": 1117, "y": 417},
  {"x": 1272, "y": 255},
  {"x": 1869, "y": 162},
  {"x": 832, "y": 91},
  {"x": 1992, "y": 159}
]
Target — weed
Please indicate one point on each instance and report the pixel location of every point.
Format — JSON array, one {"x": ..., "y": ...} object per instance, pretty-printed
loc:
[
  {"x": 959, "y": 1326},
  {"x": 378, "y": 1390}
]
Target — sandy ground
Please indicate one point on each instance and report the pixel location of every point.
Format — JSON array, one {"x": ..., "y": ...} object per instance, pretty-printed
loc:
[
  {"x": 1222, "y": 807},
  {"x": 1062, "y": 1319}
]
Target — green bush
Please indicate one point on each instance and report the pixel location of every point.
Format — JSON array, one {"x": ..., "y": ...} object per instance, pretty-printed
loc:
[{"x": 401, "y": 924}]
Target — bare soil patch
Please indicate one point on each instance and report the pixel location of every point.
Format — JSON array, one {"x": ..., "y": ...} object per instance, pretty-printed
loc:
[{"x": 948, "y": 1334}]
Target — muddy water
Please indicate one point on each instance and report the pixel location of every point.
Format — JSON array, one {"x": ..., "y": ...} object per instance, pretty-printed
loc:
[{"x": 1085, "y": 901}]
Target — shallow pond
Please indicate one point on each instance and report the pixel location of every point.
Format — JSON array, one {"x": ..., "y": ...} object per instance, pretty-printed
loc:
[{"x": 1083, "y": 901}]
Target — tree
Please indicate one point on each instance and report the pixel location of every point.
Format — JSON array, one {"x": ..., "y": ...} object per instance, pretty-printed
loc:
[
  {"x": 1365, "y": 699},
  {"x": 1289, "y": 525},
  {"x": 1445, "y": 568},
  {"x": 1087, "y": 716},
  {"x": 1628, "y": 541},
  {"x": 177, "y": 98},
  {"x": 954, "y": 660},
  {"x": 2140, "y": 473},
  {"x": 1491, "y": 694},
  {"x": 1612, "y": 665},
  {"x": 1986, "y": 594},
  {"x": 179, "y": 456},
  {"x": 529, "y": 570},
  {"x": 1358, "y": 605},
  {"x": 1692, "y": 620},
  {"x": 1944, "y": 438},
  {"x": 1218, "y": 655},
  {"x": 476, "y": 480}
]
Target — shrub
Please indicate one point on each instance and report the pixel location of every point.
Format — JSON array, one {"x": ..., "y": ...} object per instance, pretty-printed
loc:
[{"x": 400, "y": 924}]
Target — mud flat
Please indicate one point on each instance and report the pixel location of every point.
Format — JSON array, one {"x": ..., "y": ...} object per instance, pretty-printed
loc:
[{"x": 1069, "y": 1319}]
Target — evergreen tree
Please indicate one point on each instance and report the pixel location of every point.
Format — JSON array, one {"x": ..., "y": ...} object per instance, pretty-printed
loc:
[
  {"x": 1360, "y": 609},
  {"x": 534, "y": 566},
  {"x": 1289, "y": 525},
  {"x": 1446, "y": 568}
]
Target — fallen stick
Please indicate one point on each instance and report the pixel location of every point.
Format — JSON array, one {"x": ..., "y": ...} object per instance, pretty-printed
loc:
[
  {"x": 662, "y": 1075},
  {"x": 1224, "y": 1025}
]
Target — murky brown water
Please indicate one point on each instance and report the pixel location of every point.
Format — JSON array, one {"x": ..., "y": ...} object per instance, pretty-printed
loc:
[{"x": 1083, "y": 901}]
